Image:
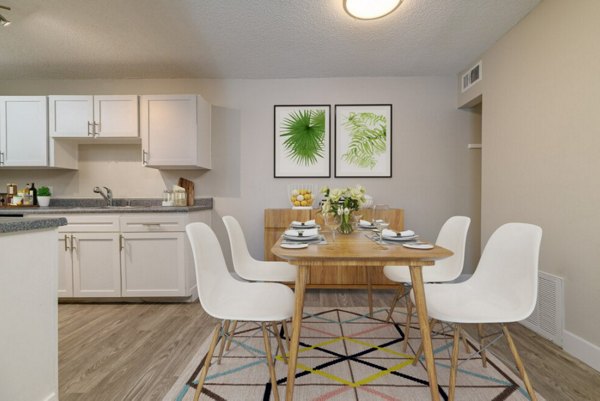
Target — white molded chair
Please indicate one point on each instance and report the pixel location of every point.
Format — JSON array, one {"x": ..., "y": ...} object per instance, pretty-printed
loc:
[
  {"x": 452, "y": 236},
  {"x": 228, "y": 299},
  {"x": 251, "y": 269},
  {"x": 502, "y": 290}
]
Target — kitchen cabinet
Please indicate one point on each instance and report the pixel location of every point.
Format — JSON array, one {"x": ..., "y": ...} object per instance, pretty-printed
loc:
[
  {"x": 127, "y": 255},
  {"x": 24, "y": 138},
  {"x": 89, "y": 262},
  {"x": 155, "y": 255},
  {"x": 23, "y": 131},
  {"x": 175, "y": 131},
  {"x": 105, "y": 116}
]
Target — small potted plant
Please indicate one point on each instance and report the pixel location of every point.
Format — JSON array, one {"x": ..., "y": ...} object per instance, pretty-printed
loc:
[{"x": 43, "y": 195}]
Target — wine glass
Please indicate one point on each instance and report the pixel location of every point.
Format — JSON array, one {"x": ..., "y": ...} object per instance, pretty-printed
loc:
[
  {"x": 381, "y": 219},
  {"x": 356, "y": 220},
  {"x": 333, "y": 222}
]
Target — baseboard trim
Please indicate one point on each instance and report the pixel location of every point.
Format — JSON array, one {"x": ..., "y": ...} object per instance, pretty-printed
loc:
[
  {"x": 51, "y": 397},
  {"x": 582, "y": 349}
]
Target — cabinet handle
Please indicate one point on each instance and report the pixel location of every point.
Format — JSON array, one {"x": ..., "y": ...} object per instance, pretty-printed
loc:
[
  {"x": 144, "y": 157},
  {"x": 90, "y": 128},
  {"x": 73, "y": 239},
  {"x": 96, "y": 131},
  {"x": 1, "y": 158},
  {"x": 121, "y": 246},
  {"x": 66, "y": 243}
]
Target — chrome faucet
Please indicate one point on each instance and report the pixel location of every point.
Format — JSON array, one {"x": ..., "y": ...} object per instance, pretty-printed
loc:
[{"x": 107, "y": 197}]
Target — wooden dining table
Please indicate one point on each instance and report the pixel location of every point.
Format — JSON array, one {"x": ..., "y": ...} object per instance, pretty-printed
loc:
[{"x": 356, "y": 249}]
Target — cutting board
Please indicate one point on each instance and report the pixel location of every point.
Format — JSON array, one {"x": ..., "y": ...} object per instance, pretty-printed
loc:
[{"x": 189, "y": 190}]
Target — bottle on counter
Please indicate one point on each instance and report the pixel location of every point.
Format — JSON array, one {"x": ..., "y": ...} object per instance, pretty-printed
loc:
[
  {"x": 33, "y": 192},
  {"x": 27, "y": 198},
  {"x": 11, "y": 192}
]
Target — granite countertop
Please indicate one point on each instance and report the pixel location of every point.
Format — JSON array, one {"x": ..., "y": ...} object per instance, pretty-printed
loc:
[
  {"x": 12, "y": 224},
  {"x": 72, "y": 206}
]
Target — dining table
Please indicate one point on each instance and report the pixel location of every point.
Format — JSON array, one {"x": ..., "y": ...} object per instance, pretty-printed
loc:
[{"x": 359, "y": 249}]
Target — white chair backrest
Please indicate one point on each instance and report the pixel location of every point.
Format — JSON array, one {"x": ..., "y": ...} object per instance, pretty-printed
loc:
[
  {"x": 242, "y": 260},
  {"x": 211, "y": 270},
  {"x": 452, "y": 236},
  {"x": 509, "y": 265}
]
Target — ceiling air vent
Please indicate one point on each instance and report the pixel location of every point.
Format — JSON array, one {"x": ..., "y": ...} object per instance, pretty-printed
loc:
[{"x": 471, "y": 77}]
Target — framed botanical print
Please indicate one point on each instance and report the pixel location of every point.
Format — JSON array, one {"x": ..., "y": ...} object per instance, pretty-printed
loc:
[
  {"x": 302, "y": 141},
  {"x": 363, "y": 140}
]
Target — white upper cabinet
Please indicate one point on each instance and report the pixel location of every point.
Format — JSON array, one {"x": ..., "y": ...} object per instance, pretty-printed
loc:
[
  {"x": 23, "y": 131},
  {"x": 175, "y": 131},
  {"x": 94, "y": 116}
]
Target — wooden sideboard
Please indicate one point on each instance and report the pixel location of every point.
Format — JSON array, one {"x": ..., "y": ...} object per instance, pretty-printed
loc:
[{"x": 278, "y": 220}]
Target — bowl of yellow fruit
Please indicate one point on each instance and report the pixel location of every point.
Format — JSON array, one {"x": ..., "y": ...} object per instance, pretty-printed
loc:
[{"x": 301, "y": 196}]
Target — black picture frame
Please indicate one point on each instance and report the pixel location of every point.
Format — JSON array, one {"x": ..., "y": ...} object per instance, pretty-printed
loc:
[
  {"x": 373, "y": 165},
  {"x": 284, "y": 164}
]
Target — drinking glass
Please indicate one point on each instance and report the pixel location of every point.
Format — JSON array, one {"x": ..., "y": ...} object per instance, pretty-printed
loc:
[
  {"x": 381, "y": 219},
  {"x": 333, "y": 222},
  {"x": 356, "y": 220}
]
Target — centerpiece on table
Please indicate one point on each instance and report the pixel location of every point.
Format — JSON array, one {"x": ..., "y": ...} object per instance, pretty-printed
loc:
[{"x": 343, "y": 202}]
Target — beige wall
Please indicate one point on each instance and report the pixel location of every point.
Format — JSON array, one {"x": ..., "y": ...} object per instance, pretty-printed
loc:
[
  {"x": 541, "y": 145},
  {"x": 434, "y": 175}
]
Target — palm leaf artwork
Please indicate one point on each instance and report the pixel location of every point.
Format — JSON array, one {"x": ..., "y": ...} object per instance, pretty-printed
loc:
[
  {"x": 304, "y": 133},
  {"x": 368, "y": 132}
]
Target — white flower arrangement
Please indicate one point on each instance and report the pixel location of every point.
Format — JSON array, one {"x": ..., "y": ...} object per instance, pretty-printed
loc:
[{"x": 342, "y": 201}]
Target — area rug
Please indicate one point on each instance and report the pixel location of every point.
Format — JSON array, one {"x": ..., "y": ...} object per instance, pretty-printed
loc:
[{"x": 346, "y": 355}]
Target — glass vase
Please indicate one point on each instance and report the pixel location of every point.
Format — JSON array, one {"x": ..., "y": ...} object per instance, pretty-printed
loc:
[{"x": 346, "y": 224}]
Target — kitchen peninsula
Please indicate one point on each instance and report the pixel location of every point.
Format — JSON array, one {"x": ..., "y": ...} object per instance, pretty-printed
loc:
[{"x": 29, "y": 316}]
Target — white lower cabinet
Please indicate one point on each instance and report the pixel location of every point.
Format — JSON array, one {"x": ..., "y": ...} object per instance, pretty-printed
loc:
[
  {"x": 129, "y": 255},
  {"x": 152, "y": 264},
  {"x": 96, "y": 269}
]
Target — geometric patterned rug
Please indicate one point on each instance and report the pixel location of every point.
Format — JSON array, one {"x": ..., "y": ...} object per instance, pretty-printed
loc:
[{"x": 346, "y": 355}]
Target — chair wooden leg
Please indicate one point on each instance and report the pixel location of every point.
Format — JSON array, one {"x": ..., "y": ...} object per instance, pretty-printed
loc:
[
  {"x": 209, "y": 356},
  {"x": 225, "y": 332},
  {"x": 432, "y": 323},
  {"x": 231, "y": 332},
  {"x": 454, "y": 363},
  {"x": 286, "y": 333},
  {"x": 279, "y": 342},
  {"x": 465, "y": 343},
  {"x": 409, "y": 308},
  {"x": 370, "y": 291},
  {"x": 399, "y": 294},
  {"x": 482, "y": 345},
  {"x": 270, "y": 361},
  {"x": 519, "y": 363}
]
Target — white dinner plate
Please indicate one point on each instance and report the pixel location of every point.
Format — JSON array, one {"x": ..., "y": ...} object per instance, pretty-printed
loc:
[
  {"x": 418, "y": 245},
  {"x": 307, "y": 226},
  {"x": 398, "y": 238},
  {"x": 294, "y": 246},
  {"x": 301, "y": 238}
]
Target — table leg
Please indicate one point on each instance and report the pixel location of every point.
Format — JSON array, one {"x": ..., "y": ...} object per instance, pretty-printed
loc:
[
  {"x": 370, "y": 290},
  {"x": 416, "y": 275},
  {"x": 296, "y": 326}
]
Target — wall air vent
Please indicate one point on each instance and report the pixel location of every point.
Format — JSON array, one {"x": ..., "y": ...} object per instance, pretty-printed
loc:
[
  {"x": 547, "y": 318},
  {"x": 471, "y": 77}
]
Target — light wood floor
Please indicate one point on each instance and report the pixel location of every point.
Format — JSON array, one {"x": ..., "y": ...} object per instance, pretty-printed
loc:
[{"x": 111, "y": 352}]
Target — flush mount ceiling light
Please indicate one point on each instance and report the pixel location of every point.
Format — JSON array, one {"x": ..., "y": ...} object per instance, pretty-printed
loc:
[
  {"x": 4, "y": 21},
  {"x": 370, "y": 9}
]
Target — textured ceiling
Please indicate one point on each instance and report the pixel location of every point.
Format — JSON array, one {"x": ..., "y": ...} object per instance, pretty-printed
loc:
[{"x": 246, "y": 38}]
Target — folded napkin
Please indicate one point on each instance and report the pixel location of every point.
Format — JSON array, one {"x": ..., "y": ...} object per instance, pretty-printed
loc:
[
  {"x": 391, "y": 233},
  {"x": 365, "y": 223},
  {"x": 309, "y": 223},
  {"x": 305, "y": 233}
]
